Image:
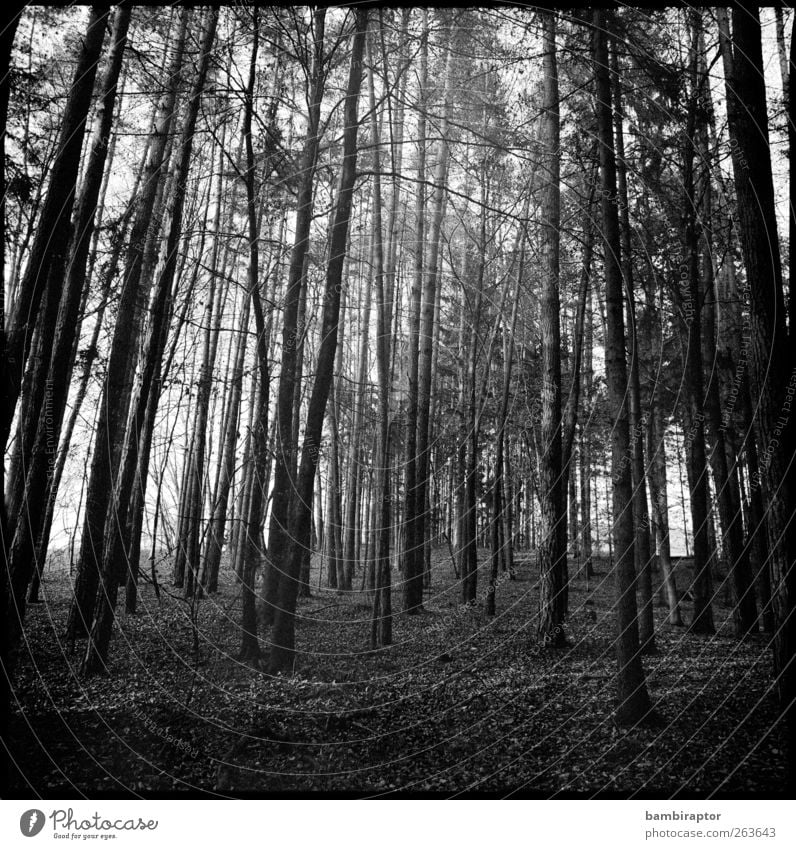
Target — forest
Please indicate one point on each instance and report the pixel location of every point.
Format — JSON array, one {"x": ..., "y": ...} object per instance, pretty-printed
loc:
[{"x": 398, "y": 401}]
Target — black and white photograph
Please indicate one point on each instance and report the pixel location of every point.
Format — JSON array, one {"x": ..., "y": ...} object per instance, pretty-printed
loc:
[{"x": 398, "y": 402}]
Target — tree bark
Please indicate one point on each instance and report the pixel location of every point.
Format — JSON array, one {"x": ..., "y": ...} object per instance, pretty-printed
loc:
[
  {"x": 283, "y": 632},
  {"x": 633, "y": 703},
  {"x": 552, "y": 492},
  {"x": 642, "y": 552},
  {"x": 381, "y": 630},
  {"x": 30, "y": 508},
  {"x": 284, "y": 465},
  {"x": 772, "y": 360},
  {"x": 114, "y": 552},
  {"x": 43, "y": 279},
  {"x": 694, "y": 417},
  {"x": 412, "y": 577}
]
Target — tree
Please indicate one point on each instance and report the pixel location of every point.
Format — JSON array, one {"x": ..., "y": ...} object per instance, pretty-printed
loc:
[
  {"x": 284, "y": 466},
  {"x": 381, "y": 630},
  {"x": 415, "y": 544},
  {"x": 99, "y": 637},
  {"x": 633, "y": 703},
  {"x": 29, "y": 504},
  {"x": 110, "y": 424},
  {"x": 283, "y": 632},
  {"x": 250, "y": 649},
  {"x": 44, "y": 275},
  {"x": 643, "y": 556},
  {"x": 771, "y": 382},
  {"x": 552, "y": 493}
]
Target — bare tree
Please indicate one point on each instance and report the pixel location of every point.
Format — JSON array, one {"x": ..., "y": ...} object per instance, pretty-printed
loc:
[{"x": 633, "y": 703}]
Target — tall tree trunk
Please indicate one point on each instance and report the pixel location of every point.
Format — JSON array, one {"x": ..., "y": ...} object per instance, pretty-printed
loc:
[
  {"x": 498, "y": 506},
  {"x": 586, "y": 471},
  {"x": 552, "y": 493},
  {"x": 114, "y": 553},
  {"x": 334, "y": 514},
  {"x": 284, "y": 465},
  {"x": 722, "y": 458},
  {"x": 381, "y": 631},
  {"x": 642, "y": 552},
  {"x": 772, "y": 359},
  {"x": 250, "y": 647},
  {"x": 694, "y": 417},
  {"x": 43, "y": 279},
  {"x": 469, "y": 533},
  {"x": 30, "y": 507},
  {"x": 426, "y": 338},
  {"x": 283, "y": 632},
  {"x": 412, "y": 577},
  {"x": 356, "y": 464},
  {"x": 138, "y": 443},
  {"x": 186, "y": 563},
  {"x": 215, "y": 542},
  {"x": 786, "y": 65},
  {"x": 633, "y": 703},
  {"x": 113, "y": 402},
  {"x": 656, "y": 451},
  {"x": 8, "y": 642}
]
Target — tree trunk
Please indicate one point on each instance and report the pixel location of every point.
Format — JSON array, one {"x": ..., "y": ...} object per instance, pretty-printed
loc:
[
  {"x": 381, "y": 630},
  {"x": 250, "y": 647},
  {"x": 215, "y": 542},
  {"x": 284, "y": 465},
  {"x": 114, "y": 553},
  {"x": 722, "y": 457},
  {"x": 498, "y": 506},
  {"x": 283, "y": 633},
  {"x": 356, "y": 463},
  {"x": 772, "y": 359},
  {"x": 29, "y": 507},
  {"x": 633, "y": 703},
  {"x": 694, "y": 417},
  {"x": 109, "y": 430},
  {"x": 552, "y": 492},
  {"x": 412, "y": 577},
  {"x": 656, "y": 452},
  {"x": 43, "y": 279},
  {"x": 642, "y": 552}
]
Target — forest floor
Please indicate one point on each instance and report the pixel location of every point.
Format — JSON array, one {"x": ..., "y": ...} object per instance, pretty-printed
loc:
[{"x": 461, "y": 703}]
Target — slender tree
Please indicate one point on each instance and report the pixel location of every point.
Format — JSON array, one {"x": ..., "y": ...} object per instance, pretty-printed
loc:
[
  {"x": 31, "y": 506},
  {"x": 284, "y": 463},
  {"x": 552, "y": 493},
  {"x": 283, "y": 632},
  {"x": 633, "y": 703},
  {"x": 771, "y": 358},
  {"x": 43, "y": 277},
  {"x": 110, "y": 425}
]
